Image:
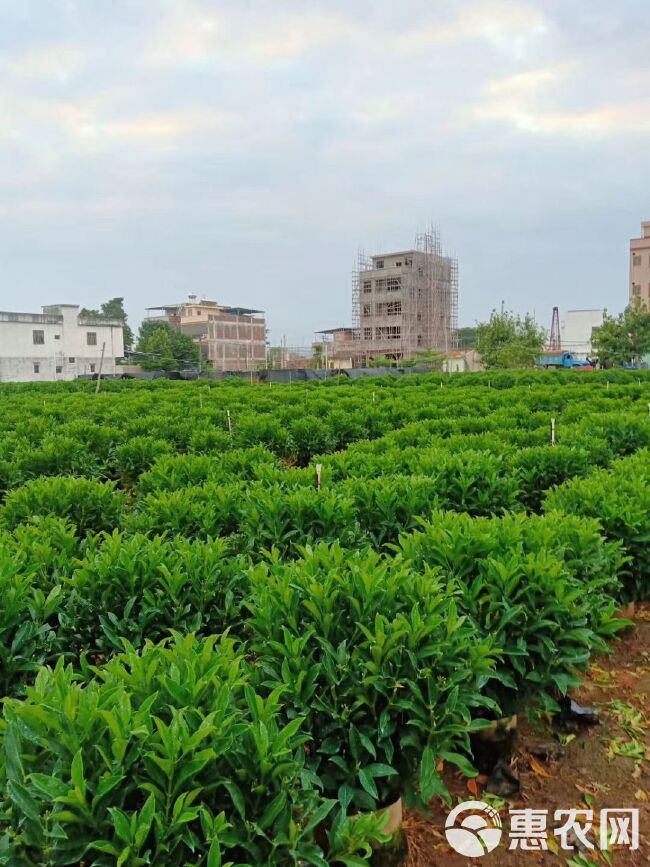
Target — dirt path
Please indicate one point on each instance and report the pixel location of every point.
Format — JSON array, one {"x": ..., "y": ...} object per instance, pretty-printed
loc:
[{"x": 599, "y": 767}]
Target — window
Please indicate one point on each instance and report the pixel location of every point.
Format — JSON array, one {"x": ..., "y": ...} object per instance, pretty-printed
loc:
[
  {"x": 419, "y": 340},
  {"x": 57, "y": 337},
  {"x": 367, "y": 333},
  {"x": 92, "y": 368},
  {"x": 71, "y": 360},
  {"x": 419, "y": 317},
  {"x": 379, "y": 263},
  {"x": 398, "y": 264},
  {"x": 38, "y": 337},
  {"x": 37, "y": 368},
  {"x": 367, "y": 309},
  {"x": 91, "y": 338},
  {"x": 367, "y": 287},
  {"x": 59, "y": 369},
  {"x": 393, "y": 284},
  {"x": 636, "y": 290},
  {"x": 388, "y": 332},
  {"x": 389, "y": 308},
  {"x": 636, "y": 259}
]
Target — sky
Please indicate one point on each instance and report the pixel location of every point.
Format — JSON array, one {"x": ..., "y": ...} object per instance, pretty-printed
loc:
[{"x": 245, "y": 150}]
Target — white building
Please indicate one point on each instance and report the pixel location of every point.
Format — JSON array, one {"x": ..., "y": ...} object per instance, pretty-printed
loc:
[
  {"x": 57, "y": 344},
  {"x": 576, "y": 330}
]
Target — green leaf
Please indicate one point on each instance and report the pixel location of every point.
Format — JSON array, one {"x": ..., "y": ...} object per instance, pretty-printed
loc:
[
  {"x": 21, "y": 798},
  {"x": 77, "y": 772},
  {"x": 143, "y": 825},
  {"x": 273, "y": 810},
  {"x": 214, "y": 854},
  {"x": 367, "y": 782},
  {"x": 461, "y": 762}
]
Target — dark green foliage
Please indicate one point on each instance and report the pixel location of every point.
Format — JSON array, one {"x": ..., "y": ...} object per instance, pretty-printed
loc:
[
  {"x": 89, "y": 505},
  {"x": 620, "y": 499},
  {"x": 165, "y": 758},
  {"x": 137, "y": 588},
  {"x": 377, "y": 660},
  {"x": 376, "y": 631},
  {"x": 520, "y": 590},
  {"x": 161, "y": 347}
]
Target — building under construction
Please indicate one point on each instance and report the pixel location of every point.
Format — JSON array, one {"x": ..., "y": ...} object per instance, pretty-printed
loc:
[
  {"x": 406, "y": 302},
  {"x": 230, "y": 338}
]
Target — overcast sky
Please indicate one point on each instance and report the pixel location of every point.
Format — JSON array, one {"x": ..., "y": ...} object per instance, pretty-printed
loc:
[{"x": 246, "y": 149}]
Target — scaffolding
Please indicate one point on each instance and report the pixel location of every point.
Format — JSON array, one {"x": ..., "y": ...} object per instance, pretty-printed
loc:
[{"x": 406, "y": 302}]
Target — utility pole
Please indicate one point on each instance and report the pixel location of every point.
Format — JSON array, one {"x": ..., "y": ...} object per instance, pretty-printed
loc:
[{"x": 101, "y": 365}]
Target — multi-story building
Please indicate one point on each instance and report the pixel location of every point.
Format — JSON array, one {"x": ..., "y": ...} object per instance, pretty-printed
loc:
[
  {"x": 406, "y": 302},
  {"x": 337, "y": 347},
  {"x": 640, "y": 266},
  {"x": 57, "y": 344},
  {"x": 231, "y": 338}
]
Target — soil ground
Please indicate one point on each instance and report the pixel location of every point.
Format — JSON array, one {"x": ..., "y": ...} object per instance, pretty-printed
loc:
[{"x": 605, "y": 765}]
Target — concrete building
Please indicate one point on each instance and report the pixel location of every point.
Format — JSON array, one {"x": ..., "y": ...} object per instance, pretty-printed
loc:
[
  {"x": 406, "y": 302},
  {"x": 576, "y": 330},
  {"x": 640, "y": 266},
  {"x": 231, "y": 338},
  {"x": 462, "y": 361},
  {"x": 337, "y": 347},
  {"x": 57, "y": 344}
]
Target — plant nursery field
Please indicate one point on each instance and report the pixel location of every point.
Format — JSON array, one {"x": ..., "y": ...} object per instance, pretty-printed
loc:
[{"x": 237, "y": 621}]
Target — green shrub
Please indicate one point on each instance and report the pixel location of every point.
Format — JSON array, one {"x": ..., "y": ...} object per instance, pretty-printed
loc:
[
  {"x": 620, "y": 499},
  {"x": 46, "y": 548},
  {"x": 27, "y": 627},
  {"x": 274, "y": 517},
  {"x": 546, "y": 621},
  {"x": 89, "y": 505},
  {"x": 539, "y": 469},
  {"x": 138, "y": 588},
  {"x": 167, "y": 757},
  {"x": 377, "y": 660},
  {"x": 199, "y": 511},
  {"x": 134, "y": 457},
  {"x": 56, "y": 456}
]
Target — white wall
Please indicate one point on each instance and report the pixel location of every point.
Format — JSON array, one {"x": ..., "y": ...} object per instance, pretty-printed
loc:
[
  {"x": 65, "y": 338},
  {"x": 576, "y": 328}
]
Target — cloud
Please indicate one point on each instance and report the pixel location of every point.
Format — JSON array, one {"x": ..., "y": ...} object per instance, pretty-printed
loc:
[
  {"x": 157, "y": 145},
  {"x": 509, "y": 28},
  {"x": 535, "y": 102}
]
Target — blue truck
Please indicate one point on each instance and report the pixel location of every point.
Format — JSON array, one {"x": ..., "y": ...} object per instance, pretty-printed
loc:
[{"x": 563, "y": 359}]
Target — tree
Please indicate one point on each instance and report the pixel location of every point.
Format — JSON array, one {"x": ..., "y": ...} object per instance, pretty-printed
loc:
[
  {"x": 113, "y": 309},
  {"x": 623, "y": 339},
  {"x": 466, "y": 337},
  {"x": 508, "y": 341},
  {"x": 428, "y": 358},
  {"x": 382, "y": 361},
  {"x": 164, "y": 348}
]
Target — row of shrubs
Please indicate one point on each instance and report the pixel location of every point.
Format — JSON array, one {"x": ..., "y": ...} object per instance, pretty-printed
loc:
[
  {"x": 346, "y": 678},
  {"x": 196, "y": 497},
  {"x": 121, "y": 439}
]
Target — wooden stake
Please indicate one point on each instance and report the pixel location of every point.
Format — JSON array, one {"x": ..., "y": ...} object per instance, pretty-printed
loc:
[
  {"x": 229, "y": 421},
  {"x": 552, "y": 431},
  {"x": 319, "y": 469}
]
